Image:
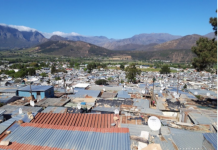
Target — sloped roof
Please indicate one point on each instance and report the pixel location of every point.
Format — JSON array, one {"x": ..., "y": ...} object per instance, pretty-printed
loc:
[
  {"x": 37, "y": 136},
  {"x": 81, "y": 120},
  {"x": 35, "y": 88}
]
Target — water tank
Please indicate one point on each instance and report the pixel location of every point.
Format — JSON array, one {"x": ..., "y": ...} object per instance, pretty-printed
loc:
[{"x": 83, "y": 103}]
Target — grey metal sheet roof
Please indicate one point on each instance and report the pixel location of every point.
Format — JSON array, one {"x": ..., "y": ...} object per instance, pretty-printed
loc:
[
  {"x": 67, "y": 139},
  {"x": 123, "y": 94},
  {"x": 188, "y": 141},
  {"x": 141, "y": 103},
  {"x": 212, "y": 138},
  {"x": 35, "y": 88},
  {"x": 6, "y": 124},
  {"x": 136, "y": 129},
  {"x": 8, "y": 99},
  {"x": 9, "y": 91},
  {"x": 166, "y": 144},
  {"x": 105, "y": 109},
  {"x": 55, "y": 110},
  {"x": 52, "y": 102},
  {"x": 152, "y": 111},
  {"x": 199, "y": 118},
  {"x": 202, "y": 92},
  {"x": 107, "y": 88},
  {"x": 14, "y": 110},
  {"x": 108, "y": 95},
  {"x": 82, "y": 93}
]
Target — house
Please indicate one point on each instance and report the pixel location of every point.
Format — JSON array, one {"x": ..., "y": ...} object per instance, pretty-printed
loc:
[{"x": 39, "y": 92}]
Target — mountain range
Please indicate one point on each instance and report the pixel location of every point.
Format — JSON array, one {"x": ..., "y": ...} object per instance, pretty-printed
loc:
[
  {"x": 12, "y": 38},
  {"x": 158, "y": 46}
]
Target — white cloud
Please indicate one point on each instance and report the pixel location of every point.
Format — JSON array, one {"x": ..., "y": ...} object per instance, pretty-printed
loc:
[
  {"x": 20, "y": 28},
  {"x": 48, "y": 35}
]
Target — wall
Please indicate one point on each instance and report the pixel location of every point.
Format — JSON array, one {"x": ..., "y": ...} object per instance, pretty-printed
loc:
[
  {"x": 49, "y": 93},
  {"x": 26, "y": 94}
]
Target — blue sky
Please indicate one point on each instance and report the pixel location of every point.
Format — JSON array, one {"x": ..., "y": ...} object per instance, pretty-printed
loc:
[{"x": 111, "y": 18}]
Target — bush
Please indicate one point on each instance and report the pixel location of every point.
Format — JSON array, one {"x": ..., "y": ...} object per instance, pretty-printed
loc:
[{"x": 101, "y": 82}]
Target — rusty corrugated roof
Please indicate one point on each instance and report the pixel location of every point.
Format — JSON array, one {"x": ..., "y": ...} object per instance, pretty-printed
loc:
[{"x": 77, "y": 120}]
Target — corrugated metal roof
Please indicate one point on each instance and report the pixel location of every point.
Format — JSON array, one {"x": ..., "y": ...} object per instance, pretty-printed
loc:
[
  {"x": 14, "y": 110},
  {"x": 202, "y": 92},
  {"x": 83, "y": 93},
  {"x": 141, "y": 103},
  {"x": 105, "y": 109},
  {"x": 199, "y": 118},
  {"x": 55, "y": 110},
  {"x": 29, "y": 137},
  {"x": 188, "y": 141},
  {"x": 6, "y": 124},
  {"x": 52, "y": 102},
  {"x": 165, "y": 142},
  {"x": 123, "y": 94},
  {"x": 81, "y": 120},
  {"x": 212, "y": 138},
  {"x": 9, "y": 91},
  {"x": 152, "y": 111},
  {"x": 136, "y": 129},
  {"x": 35, "y": 88},
  {"x": 108, "y": 95}
]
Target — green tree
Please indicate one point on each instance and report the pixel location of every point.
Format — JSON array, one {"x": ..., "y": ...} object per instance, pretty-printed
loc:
[
  {"x": 213, "y": 22},
  {"x": 206, "y": 52},
  {"x": 101, "y": 82},
  {"x": 122, "y": 67},
  {"x": 53, "y": 69},
  {"x": 43, "y": 74},
  {"x": 131, "y": 72},
  {"x": 57, "y": 78},
  {"x": 165, "y": 69}
]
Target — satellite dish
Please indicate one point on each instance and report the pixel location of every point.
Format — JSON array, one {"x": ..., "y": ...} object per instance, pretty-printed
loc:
[
  {"x": 104, "y": 89},
  {"x": 154, "y": 123},
  {"x": 196, "y": 93},
  {"x": 208, "y": 94},
  {"x": 116, "y": 111},
  {"x": 143, "y": 91},
  {"x": 20, "y": 111},
  {"x": 176, "y": 96},
  {"x": 78, "y": 106},
  {"x": 161, "y": 91},
  {"x": 32, "y": 103}
]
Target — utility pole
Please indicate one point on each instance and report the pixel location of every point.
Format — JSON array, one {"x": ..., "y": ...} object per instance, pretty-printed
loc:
[
  {"x": 64, "y": 85},
  {"x": 31, "y": 91},
  {"x": 178, "y": 84}
]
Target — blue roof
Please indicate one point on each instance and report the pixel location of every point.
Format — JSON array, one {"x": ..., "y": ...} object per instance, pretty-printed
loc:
[
  {"x": 35, "y": 88},
  {"x": 212, "y": 138},
  {"x": 123, "y": 94}
]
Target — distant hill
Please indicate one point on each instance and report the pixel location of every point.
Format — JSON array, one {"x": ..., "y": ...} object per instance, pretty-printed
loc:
[
  {"x": 96, "y": 40},
  {"x": 70, "y": 48},
  {"x": 57, "y": 38},
  {"x": 170, "y": 55},
  {"x": 141, "y": 39},
  {"x": 83, "y": 49},
  {"x": 210, "y": 35},
  {"x": 185, "y": 42},
  {"x": 11, "y": 38}
]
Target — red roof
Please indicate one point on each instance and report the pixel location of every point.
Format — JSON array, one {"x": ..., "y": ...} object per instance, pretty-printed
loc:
[
  {"x": 76, "y": 120},
  {"x": 72, "y": 128}
]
